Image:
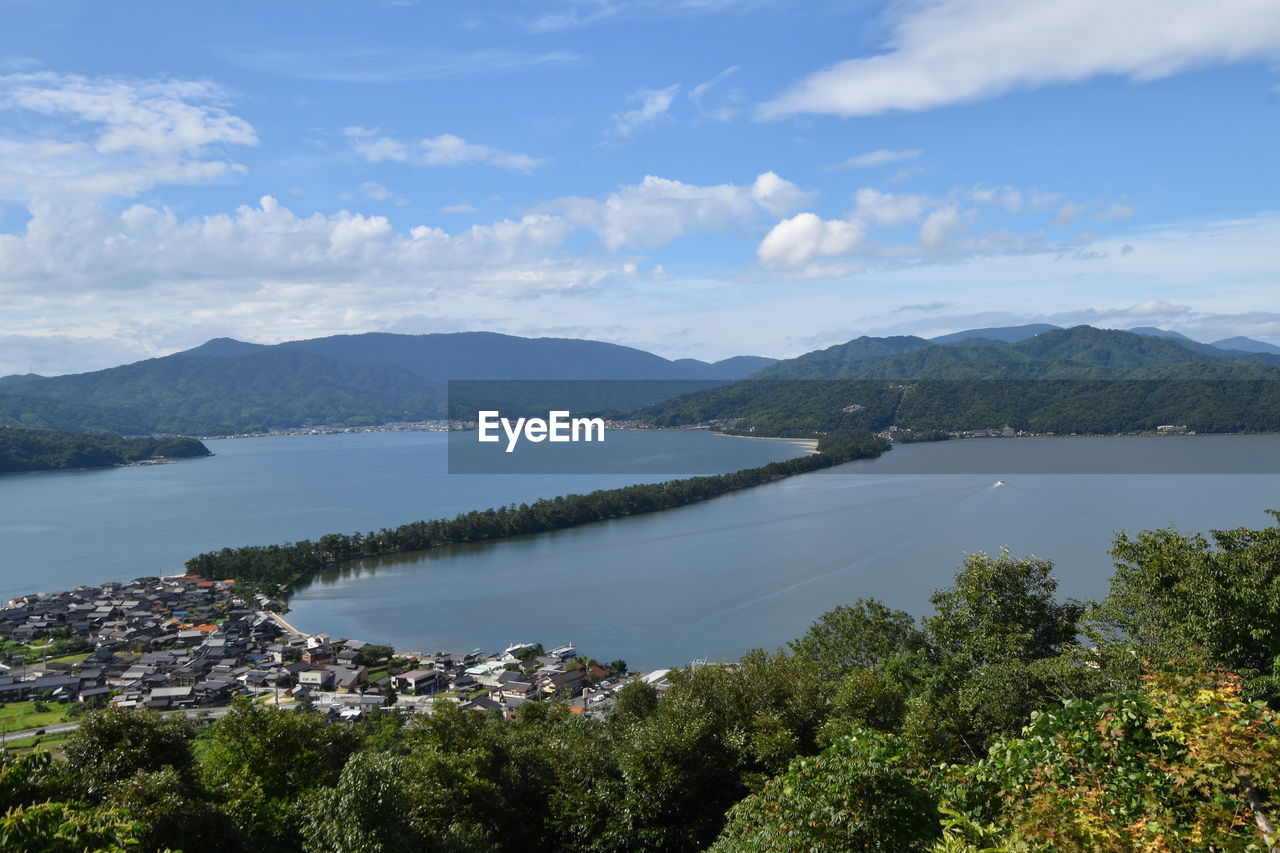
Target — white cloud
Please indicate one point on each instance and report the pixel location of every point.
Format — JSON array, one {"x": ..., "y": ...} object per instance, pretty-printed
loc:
[
  {"x": 654, "y": 104},
  {"x": 879, "y": 157},
  {"x": 1114, "y": 212},
  {"x": 1154, "y": 308},
  {"x": 951, "y": 51},
  {"x": 777, "y": 195},
  {"x": 113, "y": 136},
  {"x": 797, "y": 241},
  {"x": 697, "y": 92},
  {"x": 1068, "y": 212},
  {"x": 730, "y": 104},
  {"x": 89, "y": 248},
  {"x": 887, "y": 208},
  {"x": 443, "y": 150},
  {"x": 939, "y": 225},
  {"x": 382, "y": 64},
  {"x": 943, "y": 236},
  {"x": 658, "y": 210},
  {"x": 376, "y": 191},
  {"x": 575, "y": 14}
]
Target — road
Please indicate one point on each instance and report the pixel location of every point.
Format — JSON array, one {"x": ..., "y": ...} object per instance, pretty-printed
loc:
[{"x": 59, "y": 728}]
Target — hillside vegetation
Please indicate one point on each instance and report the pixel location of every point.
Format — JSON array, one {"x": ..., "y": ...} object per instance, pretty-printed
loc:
[
  {"x": 227, "y": 386},
  {"x": 23, "y": 450},
  {"x": 1068, "y": 380}
]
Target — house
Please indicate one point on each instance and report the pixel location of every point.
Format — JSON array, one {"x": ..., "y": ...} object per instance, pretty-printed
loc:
[
  {"x": 349, "y": 679},
  {"x": 560, "y": 683},
  {"x": 420, "y": 681},
  {"x": 317, "y": 678},
  {"x": 518, "y": 690},
  {"x": 165, "y": 698}
]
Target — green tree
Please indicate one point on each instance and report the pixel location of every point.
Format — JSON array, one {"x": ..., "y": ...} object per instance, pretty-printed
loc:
[
  {"x": 261, "y": 762},
  {"x": 1185, "y": 764},
  {"x": 863, "y": 635},
  {"x": 865, "y": 699},
  {"x": 988, "y": 633},
  {"x": 366, "y": 812},
  {"x": 1177, "y": 596},
  {"x": 861, "y": 793},
  {"x": 173, "y": 813},
  {"x": 67, "y": 828},
  {"x": 113, "y": 744}
]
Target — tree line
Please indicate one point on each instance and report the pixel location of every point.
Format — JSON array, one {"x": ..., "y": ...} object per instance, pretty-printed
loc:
[{"x": 268, "y": 567}]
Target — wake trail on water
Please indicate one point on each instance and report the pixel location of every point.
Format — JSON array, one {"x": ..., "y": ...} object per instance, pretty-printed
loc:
[{"x": 875, "y": 557}]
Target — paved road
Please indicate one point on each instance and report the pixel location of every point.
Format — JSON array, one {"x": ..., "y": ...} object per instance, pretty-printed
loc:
[{"x": 58, "y": 728}]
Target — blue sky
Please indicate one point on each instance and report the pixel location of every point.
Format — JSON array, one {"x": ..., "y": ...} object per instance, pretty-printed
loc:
[{"x": 695, "y": 177}]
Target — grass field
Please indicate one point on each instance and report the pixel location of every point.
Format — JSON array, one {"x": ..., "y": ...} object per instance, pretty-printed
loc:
[
  {"x": 16, "y": 716},
  {"x": 46, "y": 743}
]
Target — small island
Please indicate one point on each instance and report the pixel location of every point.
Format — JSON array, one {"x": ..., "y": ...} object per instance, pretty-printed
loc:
[{"x": 28, "y": 450}]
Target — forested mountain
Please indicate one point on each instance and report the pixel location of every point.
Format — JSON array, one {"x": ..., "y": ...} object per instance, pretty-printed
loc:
[
  {"x": 229, "y": 386},
  {"x": 45, "y": 450},
  {"x": 842, "y": 360},
  {"x": 1243, "y": 344},
  {"x": 1007, "y": 334},
  {"x": 1065, "y": 380},
  {"x": 489, "y": 355},
  {"x": 18, "y": 379}
]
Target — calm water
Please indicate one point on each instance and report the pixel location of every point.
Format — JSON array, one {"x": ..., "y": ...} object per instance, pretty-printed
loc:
[
  {"x": 710, "y": 580},
  {"x": 58, "y": 530},
  {"x": 756, "y": 567}
]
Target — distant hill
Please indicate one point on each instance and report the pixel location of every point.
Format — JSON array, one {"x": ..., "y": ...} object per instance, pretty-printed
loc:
[
  {"x": 1243, "y": 344},
  {"x": 1078, "y": 379},
  {"x": 1007, "y": 334},
  {"x": 18, "y": 379},
  {"x": 228, "y": 386},
  {"x": 25, "y": 450},
  {"x": 223, "y": 348},
  {"x": 489, "y": 355},
  {"x": 736, "y": 367},
  {"x": 842, "y": 360}
]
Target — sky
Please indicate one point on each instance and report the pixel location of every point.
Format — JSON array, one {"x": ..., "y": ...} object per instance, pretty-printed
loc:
[{"x": 697, "y": 178}]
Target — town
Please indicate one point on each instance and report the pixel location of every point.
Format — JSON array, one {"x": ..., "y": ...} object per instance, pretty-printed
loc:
[{"x": 189, "y": 644}]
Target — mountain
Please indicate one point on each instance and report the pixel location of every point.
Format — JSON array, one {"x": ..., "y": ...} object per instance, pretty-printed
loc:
[
  {"x": 1007, "y": 334},
  {"x": 1260, "y": 352},
  {"x": 229, "y": 386},
  {"x": 736, "y": 367},
  {"x": 1063, "y": 380},
  {"x": 1189, "y": 343},
  {"x": 843, "y": 359},
  {"x": 489, "y": 355},
  {"x": 223, "y": 348},
  {"x": 1154, "y": 332},
  {"x": 1243, "y": 344},
  {"x": 1082, "y": 352},
  {"x": 18, "y": 379}
]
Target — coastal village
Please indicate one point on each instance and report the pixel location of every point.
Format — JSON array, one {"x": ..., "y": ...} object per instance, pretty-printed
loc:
[{"x": 189, "y": 644}]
